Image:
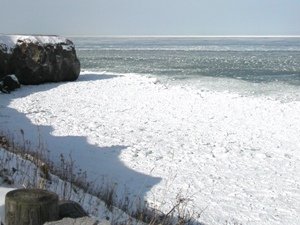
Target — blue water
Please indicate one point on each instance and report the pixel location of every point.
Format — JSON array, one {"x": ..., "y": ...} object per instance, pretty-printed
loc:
[{"x": 264, "y": 64}]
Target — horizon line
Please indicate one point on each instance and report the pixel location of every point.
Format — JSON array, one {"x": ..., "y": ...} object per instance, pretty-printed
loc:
[
  {"x": 190, "y": 36},
  {"x": 160, "y": 36}
]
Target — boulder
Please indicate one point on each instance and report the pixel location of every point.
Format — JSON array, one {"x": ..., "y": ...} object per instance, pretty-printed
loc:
[
  {"x": 38, "y": 59},
  {"x": 9, "y": 83},
  {"x": 78, "y": 221},
  {"x": 71, "y": 209},
  {"x": 5, "y": 58}
]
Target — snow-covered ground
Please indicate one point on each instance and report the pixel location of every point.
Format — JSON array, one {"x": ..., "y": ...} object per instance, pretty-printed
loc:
[
  {"x": 237, "y": 158},
  {"x": 3, "y": 190},
  {"x": 25, "y": 174}
]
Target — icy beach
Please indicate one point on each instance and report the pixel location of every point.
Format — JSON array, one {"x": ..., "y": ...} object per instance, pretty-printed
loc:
[{"x": 235, "y": 158}]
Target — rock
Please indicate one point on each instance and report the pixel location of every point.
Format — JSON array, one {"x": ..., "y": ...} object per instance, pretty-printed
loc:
[
  {"x": 70, "y": 209},
  {"x": 9, "y": 83},
  {"x": 38, "y": 59},
  {"x": 5, "y": 58},
  {"x": 78, "y": 221}
]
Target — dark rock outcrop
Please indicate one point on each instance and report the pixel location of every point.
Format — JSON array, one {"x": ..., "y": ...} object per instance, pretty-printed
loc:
[
  {"x": 39, "y": 59},
  {"x": 5, "y": 58},
  {"x": 9, "y": 83},
  {"x": 71, "y": 209}
]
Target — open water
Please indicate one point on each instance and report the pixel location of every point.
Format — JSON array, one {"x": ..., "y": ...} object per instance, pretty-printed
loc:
[{"x": 249, "y": 65}]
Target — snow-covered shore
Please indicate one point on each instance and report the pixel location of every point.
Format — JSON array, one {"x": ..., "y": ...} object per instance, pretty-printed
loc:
[{"x": 235, "y": 157}]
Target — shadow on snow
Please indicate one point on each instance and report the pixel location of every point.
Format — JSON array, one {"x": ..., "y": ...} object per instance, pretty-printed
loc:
[{"x": 102, "y": 164}]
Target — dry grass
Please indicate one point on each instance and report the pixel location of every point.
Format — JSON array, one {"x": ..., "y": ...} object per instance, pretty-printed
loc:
[{"x": 77, "y": 180}]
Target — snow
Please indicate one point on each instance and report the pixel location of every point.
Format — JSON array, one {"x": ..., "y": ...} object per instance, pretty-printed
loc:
[
  {"x": 236, "y": 158},
  {"x": 14, "y": 78},
  {"x": 26, "y": 173},
  {"x": 4, "y": 189},
  {"x": 10, "y": 41}
]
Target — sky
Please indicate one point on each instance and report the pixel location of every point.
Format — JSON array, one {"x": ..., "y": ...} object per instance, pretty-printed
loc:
[{"x": 150, "y": 17}]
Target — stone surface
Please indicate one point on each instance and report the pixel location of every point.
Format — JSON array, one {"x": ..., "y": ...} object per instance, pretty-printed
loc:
[
  {"x": 71, "y": 209},
  {"x": 4, "y": 60},
  {"x": 78, "y": 221},
  {"x": 9, "y": 83},
  {"x": 38, "y": 59}
]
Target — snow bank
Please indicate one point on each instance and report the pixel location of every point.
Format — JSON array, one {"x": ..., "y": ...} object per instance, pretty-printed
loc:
[{"x": 235, "y": 158}]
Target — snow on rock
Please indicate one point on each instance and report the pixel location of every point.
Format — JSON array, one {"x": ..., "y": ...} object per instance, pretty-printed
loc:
[
  {"x": 38, "y": 59},
  {"x": 235, "y": 158},
  {"x": 79, "y": 221},
  {"x": 9, "y": 42},
  {"x": 9, "y": 83}
]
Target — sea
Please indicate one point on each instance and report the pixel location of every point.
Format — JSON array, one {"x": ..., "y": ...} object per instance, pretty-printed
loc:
[{"x": 258, "y": 66}]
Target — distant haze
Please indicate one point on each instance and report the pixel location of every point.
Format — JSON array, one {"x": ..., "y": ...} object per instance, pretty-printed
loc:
[{"x": 151, "y": 17}]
